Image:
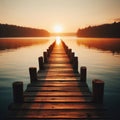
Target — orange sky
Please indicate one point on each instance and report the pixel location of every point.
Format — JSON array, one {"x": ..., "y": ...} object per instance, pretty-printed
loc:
[{"x": 70, "y": 14}]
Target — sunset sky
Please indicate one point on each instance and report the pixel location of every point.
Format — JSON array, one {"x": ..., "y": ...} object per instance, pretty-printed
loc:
[{"x": 69, "y": 14}]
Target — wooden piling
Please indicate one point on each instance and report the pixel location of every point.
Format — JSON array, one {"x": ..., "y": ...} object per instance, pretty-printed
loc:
[
  {"x": 48, "y": 52},
  {"x": 98, "y": 91},
  {"x": 75, "y": 64},
  {"x": 83, "y": 74},
  {"x": 72, "y": 57},
  {"x": 66, "y": 49},
  {"x": 33, "y": 74},
  {"x": 41, "y": 65},
  {"x": 69, "y": 52},
  {"x": 45, "y": 57},
  {"x": 18, "y": 92}
]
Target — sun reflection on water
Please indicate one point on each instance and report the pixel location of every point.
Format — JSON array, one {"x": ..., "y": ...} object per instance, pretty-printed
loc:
[{"x": 58, "y": 40}]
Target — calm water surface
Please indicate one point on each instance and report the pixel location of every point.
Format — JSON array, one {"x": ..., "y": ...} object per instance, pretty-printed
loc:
[{"x": 101, "y": 56}]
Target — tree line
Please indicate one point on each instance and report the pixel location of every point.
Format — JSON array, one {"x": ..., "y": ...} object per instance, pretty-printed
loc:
[
  {"x": 105, "y": 30},
  {"x": 19, "y": 31}
]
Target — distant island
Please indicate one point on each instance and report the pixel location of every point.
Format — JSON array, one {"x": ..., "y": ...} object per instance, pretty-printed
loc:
[
  {"x": 105, "y": 30},
  {"x": 7, "y": 30}
]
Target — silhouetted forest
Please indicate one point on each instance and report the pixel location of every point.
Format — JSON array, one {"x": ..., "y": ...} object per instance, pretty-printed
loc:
[
  {"x": 105, "y": 30},
  {"x": 18, "y": 31}
]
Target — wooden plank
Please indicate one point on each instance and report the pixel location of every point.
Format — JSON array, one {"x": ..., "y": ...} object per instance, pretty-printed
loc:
[
  {"x": 59, "y": 62},
  {"x": 48, "y": 65},
  {"x": 56, "y": 74},
  {"x": 58, "y": 99},
  {"x": 59, "y": 89},
  {"x": 59, "y": 81},
  {"x": 59, "y": 78},
  {"x": 56, "y": 59},
  {"x": 66, "y": 73},
  {"x": 59, "y": 58},
  {"x": 108, "y": 118},
  {"x": 64, "y": 94},
  {"x": 57, "y": 65},
  {"x": 59, "y": 55},
  {"x": 56, "y": 83},
  {"x": 56, "y": 106},
  {"x": 54, "y": 114},
  {"x": 56, "y": 70},
  {"x": 60, "y": 51}
]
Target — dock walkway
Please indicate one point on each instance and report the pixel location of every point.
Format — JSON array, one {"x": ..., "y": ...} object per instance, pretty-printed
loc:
[{"x": 58, "y": 92}]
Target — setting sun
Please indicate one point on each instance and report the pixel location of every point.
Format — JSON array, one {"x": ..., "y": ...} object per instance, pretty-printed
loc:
[{"x": 58, "y": 29}]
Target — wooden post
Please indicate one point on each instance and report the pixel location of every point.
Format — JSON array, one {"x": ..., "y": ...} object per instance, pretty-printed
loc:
[
  {"x": 75, "y": 64},
  {"x": 69, "y": 52},
  {"x": 17, "y": 92},
  {"x": 45, "y": 57},
  {"x": 41, "y": 65},
  {"x": 83, "y": 74},
  {"x": 53, "y": 44},
  {"x": 48, "y": 52},
  {"x": 66, "y": 49},
  {"x": 98, "y": 91},
  {"x": 33, "y": 74},
  {"x": 72, "y": 57},
  {"x": 63, "y": 43}
]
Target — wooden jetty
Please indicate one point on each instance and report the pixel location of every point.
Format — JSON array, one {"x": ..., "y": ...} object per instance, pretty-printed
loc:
[{"x": 57, "y": 91}]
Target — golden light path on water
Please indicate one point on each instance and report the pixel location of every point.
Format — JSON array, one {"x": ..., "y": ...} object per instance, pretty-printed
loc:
[{"x": 58, "y": 40}]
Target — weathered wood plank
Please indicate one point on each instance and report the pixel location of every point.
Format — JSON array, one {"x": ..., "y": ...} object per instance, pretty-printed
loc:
[
  {"x": 59, "y": 89},
  {"x": 56, "y": 106},
  {"x": 59, "y": 118},
  {"x": 56, "y": 74},
  {"x": 59, "y": 58},
  {"x": 57, "y": 65},
  {"x": 55, "y": 83},
  {"x": 59, "y": 62},
  {"x": 58, "y": 78},
  {"x": 58, "y": 99},
  {"x": 58, "y": 55},
  {"x": 71, "y": 94},
  {"x": 58, "y": 51},
  {"x": 57, "y": 70},
  {"x": 54, "y": 114}
]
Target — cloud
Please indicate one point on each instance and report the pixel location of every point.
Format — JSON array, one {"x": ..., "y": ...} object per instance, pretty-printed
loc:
[{"x": 117, "y": 19}]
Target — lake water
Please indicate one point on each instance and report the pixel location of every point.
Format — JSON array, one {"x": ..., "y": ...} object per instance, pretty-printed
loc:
[{"x": 101, "y": 56}]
